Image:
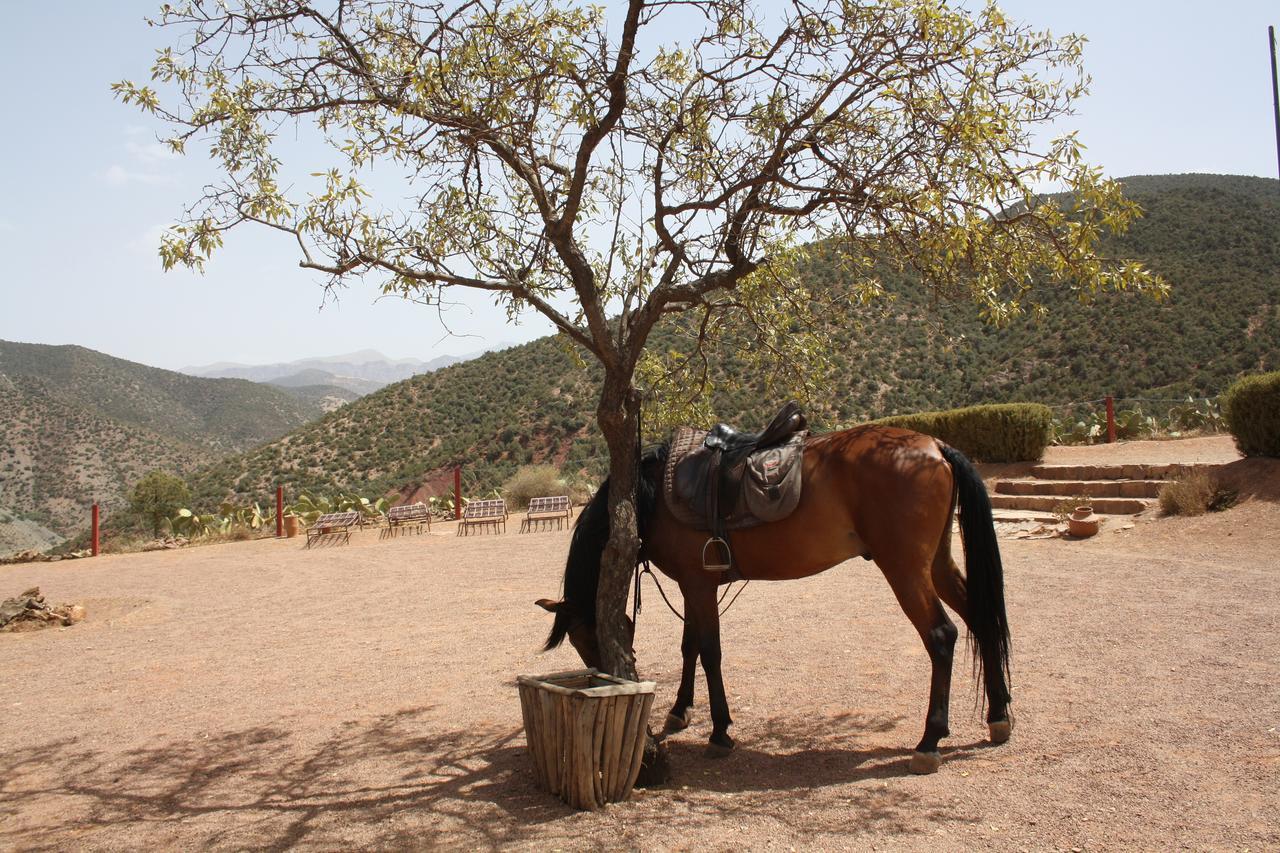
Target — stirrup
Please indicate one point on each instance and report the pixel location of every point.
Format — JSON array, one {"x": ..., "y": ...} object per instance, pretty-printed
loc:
[{"x": 726, "y": 553}]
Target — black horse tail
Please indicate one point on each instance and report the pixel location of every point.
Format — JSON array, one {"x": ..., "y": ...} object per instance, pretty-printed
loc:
[
  {"x": 590, "y": 535},
  {"x": 988, "y": 622}
]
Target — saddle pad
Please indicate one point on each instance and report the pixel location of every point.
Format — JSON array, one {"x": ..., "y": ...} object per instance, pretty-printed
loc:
[{"x": 685, "y": 441}]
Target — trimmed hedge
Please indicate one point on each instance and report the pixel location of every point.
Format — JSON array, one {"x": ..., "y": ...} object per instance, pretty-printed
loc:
[
  {"x": 1008, "y": 432},
  {"x": 1251, "y": 407}
]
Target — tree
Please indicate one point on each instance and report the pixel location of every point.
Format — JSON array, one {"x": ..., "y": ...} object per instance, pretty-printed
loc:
[
  {"x": 158, "y": 496},
  {"x": 608, "y": 172}
]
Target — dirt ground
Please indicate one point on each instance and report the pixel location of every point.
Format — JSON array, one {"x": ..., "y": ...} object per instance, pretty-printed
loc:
[
  {"x": 257, "y": 695},
  {"x": 1208, "y": 449}
]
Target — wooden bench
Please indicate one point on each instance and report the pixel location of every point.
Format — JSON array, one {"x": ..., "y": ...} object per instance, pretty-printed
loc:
[
  {"x": 544, "y": 511},
  {"x": 483, "y": 514},
  {"x": 332, "y": 523},
  {"x": 409, "y": 516}
]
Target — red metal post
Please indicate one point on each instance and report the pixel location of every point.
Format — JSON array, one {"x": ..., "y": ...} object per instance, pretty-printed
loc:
[
  {"x": 457, "y": 492},
  {"x": 279, "y": 511},
  {"x": 94, "y": 546},
  {"x": 1111, "y": 419}
]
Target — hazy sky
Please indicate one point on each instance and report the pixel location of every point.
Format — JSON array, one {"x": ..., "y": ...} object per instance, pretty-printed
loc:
[{"x": 1178, "y": 87}]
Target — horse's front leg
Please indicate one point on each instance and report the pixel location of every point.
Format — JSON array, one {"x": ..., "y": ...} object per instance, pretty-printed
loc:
[
  {"x": 700, "y": 603},
  {"x": 682, "y": 711}
]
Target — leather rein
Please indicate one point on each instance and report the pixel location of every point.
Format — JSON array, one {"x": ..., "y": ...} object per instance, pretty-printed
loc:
[{"x": 643, "y": 568}]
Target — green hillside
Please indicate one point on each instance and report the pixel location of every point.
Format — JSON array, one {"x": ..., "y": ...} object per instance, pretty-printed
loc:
[
  {"x": 1216, "y": 239},
  {"x": 221, "y": 414},
  {"x": 79, "y": 425},
  {"x": 525, "y": 404}
]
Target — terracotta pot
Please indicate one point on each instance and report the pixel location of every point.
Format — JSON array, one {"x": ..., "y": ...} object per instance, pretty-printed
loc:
[
  {"x": 1083, "y": 522},
  {"x": 290, "y": 526}
]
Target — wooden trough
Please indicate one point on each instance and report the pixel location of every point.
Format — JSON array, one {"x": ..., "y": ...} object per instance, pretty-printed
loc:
[{"x": 586, "y": 733}]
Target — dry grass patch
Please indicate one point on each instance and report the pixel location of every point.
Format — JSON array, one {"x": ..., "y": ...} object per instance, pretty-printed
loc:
[
  {"x": 1195, "y": 494},
  {"x": 1062, "y": 509}
]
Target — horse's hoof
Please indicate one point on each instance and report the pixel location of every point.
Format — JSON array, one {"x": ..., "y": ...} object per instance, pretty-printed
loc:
[
  {"x": 1001, "y": 730},
  {"x": 720, "y": 750},
  {"x": 655, "y": 766},
  {"x": 676, "y": 724},
  {"x": 923, "y": 763}
]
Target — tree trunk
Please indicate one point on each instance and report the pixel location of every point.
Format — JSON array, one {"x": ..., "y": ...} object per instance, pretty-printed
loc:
[{"x": 619, "y": 418}]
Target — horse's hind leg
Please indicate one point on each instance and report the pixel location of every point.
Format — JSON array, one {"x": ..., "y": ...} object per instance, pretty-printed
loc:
[
  {"x": 916, "y": 595},
  {"x": 682, "y": 710},
  {"x": 950, "y": 583}
]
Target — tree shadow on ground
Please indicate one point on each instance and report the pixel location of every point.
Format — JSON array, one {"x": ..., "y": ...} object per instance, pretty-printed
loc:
[
  {"x": 271, "y": 792},
  {"x": 398, "y": 780}
]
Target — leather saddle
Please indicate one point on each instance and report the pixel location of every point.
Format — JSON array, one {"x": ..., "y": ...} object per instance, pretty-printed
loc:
[{"x": 720, "y": 479}]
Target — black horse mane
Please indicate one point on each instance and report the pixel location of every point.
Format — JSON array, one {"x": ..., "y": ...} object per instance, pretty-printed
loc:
[{"x": 590, "y": 534}]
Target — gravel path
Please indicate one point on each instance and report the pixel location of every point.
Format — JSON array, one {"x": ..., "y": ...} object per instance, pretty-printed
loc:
[{"x": 256, "y": 695}]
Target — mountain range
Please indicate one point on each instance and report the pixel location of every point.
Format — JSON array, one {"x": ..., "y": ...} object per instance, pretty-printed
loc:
[
  {"x": 359, "y": 372},
  {"x": 94, "y": 423},
  {"x": 78, "y": 425}
]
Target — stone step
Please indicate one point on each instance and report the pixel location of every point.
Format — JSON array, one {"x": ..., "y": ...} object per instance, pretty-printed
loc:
[
  {"x": 1091, "y": 488},
  {"x": 1015, "y": 516},
  {"x": 1117, "y": 472},
  {"x": 1030, "y": 516},
  {"x": 1048, "y": 503}
]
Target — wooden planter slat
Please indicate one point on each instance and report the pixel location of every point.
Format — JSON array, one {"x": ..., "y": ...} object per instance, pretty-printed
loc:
[
  {"x": 584, "y": 772},
  {"x": 526, "y": 713},
  {"x": 585, "y": 731},
  {"x": 637, "y": 742},
  {"x": 551, "y": 736},
  {"x": 614, "y": 749},
  {"x": 603, "y": 708}
]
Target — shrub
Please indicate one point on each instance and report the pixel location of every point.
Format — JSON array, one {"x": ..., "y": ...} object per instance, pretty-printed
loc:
[
  {"x": 1008, "y": 432},
  {"x": 1251, "y": 407},
  {"x": 157, "y": 496},
  {"x": 1194, "y": 494},
  {"x": 1187, "y": 495},
  {"x": 533, "y": 481}
]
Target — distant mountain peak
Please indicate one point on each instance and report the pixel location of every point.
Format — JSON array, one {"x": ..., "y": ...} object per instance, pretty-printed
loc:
[
  {"x": 362, "y": 371},
  {"x": 364, "y": 356}
]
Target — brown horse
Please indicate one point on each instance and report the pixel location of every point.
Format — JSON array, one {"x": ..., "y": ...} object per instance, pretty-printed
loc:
[{"x": 875, "y": 492}]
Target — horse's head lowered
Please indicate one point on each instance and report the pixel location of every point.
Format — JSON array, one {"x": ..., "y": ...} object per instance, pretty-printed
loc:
[
  {"x": 578, "y": 629},
  {"x": 575, "y": 614}
]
